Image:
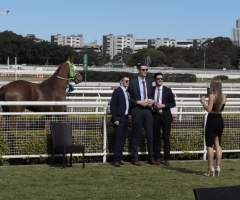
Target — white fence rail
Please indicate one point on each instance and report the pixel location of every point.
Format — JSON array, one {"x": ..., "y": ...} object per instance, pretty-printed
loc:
[
  {"x": 27, "y": 134},
  {"x": 21, "y": 69}
]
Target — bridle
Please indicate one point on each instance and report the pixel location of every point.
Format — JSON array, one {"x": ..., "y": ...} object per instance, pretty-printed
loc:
[
  {"x": 62, "y": 78},
  {"x": 71, "y": 71}
]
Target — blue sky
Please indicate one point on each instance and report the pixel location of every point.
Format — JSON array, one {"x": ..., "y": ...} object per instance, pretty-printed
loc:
[{"x": 180, "y": 19}]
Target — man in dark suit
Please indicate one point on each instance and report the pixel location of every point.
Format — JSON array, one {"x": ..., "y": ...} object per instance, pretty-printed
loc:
[
  {"x": 164, "y": 100},
  {"x": 140, "y": 90},
  {"x": 119, "y": 107}
]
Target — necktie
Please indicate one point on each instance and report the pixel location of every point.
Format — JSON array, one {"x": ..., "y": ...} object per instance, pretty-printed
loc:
[{"x": 144, "y": 90}]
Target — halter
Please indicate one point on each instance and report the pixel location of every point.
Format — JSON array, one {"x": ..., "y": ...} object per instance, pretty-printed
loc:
[{"x": 72, "y": 72}]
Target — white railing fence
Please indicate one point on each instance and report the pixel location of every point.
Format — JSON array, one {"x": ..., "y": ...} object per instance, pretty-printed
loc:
[{"x": 26, "y": 134}]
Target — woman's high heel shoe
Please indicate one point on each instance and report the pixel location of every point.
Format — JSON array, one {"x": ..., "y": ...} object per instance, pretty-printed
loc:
[
  {"x": 217, "y": 170},
  {"x": 210, "y": 172}
]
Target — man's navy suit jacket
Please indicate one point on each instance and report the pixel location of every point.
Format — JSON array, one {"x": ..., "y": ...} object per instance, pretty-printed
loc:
[
  {"x": 169, "y": 100},
  {"x": 118, "y": 104},
  {"x": 134, "y": 91}
]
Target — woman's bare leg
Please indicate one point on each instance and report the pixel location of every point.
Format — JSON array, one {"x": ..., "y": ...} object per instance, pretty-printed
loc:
[
  {"x": 218, "y": 154},
  {"x": 210, "y": 155}
]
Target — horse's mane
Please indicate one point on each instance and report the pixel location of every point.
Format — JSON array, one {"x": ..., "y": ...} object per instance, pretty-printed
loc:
[
  {"x": 56, "y": 73},
  {"x": 58, "y": 69}
]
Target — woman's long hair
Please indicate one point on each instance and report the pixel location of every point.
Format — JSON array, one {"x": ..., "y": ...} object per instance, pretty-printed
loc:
[{"x": 216, "y": 89}]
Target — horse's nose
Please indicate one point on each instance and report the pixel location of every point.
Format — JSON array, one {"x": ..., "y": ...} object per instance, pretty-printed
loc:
[{"x": 79, "y": 77}]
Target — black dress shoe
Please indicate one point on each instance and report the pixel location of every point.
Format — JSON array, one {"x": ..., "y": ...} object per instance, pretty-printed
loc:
[
  {"x": 121, "y": 162},
  {"x": 156, "y": 162},
  {"x": 166, "y": 163},
  {"x": 116, "y": 164},
  {"x": 137, "y": 163},
  {"x": 151, "y": 162}
]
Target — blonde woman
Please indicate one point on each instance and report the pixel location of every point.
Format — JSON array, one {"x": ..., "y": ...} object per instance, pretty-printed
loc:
[{"x": 214, "y": 125}]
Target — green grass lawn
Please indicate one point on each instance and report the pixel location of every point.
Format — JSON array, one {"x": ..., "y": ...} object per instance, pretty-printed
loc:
[{"x": 103, "y": 181}]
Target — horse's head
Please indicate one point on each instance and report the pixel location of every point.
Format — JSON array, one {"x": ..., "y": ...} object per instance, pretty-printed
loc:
[
  {"x": 73, "y": 74},
  {"x": 67, "y": 71},
  {"x": 78, "y": 77}
]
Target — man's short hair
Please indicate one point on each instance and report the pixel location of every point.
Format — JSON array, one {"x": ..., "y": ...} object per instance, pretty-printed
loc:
[
  {"x": 157, "y": 74},
  {"x": 139, "y": 65},
  {"x": 122, "y": 77}
]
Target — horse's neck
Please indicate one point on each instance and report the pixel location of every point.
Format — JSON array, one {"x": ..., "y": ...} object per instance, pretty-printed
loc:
[
  {"x": 58, "y": 78},
  {"x": 62, "y": 71}
]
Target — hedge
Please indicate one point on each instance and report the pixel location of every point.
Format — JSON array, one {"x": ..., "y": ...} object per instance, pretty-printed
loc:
[
  {"x": 183, "y": 137},
  {"x": 96, "y": 76}
]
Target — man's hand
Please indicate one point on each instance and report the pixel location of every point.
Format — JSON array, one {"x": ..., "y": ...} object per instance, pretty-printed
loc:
[
  {"x": 159, "y": 106},
  {"x": 143, "y": 103},
  {"x": 202, "y": 99},
  {"x": 150, "y": 102},
  {"x": 116, "y": 123},
  {"x": 146, "y": 103}
]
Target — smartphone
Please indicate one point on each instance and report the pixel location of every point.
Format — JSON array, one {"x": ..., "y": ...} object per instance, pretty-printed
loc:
[{"x": 208, "y": 92}]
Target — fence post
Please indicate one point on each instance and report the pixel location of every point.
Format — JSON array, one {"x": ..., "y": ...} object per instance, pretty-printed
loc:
[{"x": 105, "y": 138}]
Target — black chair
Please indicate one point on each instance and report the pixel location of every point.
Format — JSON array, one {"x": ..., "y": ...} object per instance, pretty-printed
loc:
[{"x": 62, "y": 142}]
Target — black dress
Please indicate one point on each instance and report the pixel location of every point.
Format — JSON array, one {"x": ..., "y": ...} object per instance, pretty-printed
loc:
[{"x": 214, "y": 127}]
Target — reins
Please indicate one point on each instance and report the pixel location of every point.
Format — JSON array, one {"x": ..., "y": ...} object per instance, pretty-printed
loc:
[
  {"x": 71, "y": 72},
  {"x": 62, "y": 78}
]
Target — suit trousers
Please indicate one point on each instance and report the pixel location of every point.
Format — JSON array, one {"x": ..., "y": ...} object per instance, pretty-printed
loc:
[
  {"x": 120, "y": 137},
  {"x": 142, "y": 118},
  {"x": 161, "y": 130}
]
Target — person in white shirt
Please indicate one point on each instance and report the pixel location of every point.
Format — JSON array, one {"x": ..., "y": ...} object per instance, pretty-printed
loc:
[
  {"x": 164, "y": 100},
  {"x": 119, "y": 107},
  {"x": 140, "y": 91}
]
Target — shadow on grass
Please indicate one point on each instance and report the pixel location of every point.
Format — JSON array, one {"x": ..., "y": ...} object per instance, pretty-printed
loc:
[{"x": 185, "y": 170}]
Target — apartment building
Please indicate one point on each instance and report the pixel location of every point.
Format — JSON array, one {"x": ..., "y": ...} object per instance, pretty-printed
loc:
[
  {"x": 114, "y": 44},
  {"x": 184, "y": 43},
  {"x": 75, "y": 41},
  {"x": 140, "y": 44},
  {"x": 158, "y": 42},
  {"x": 167, "y": 42},
  {"x": 236, "y": 33}
]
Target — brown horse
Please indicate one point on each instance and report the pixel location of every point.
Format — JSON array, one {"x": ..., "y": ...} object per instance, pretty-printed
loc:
[{"x": 52, "y": 89}]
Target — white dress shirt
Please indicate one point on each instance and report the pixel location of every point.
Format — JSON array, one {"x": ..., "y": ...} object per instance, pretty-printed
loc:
[
  {"x": 141, "y": 88},
  {"x": 160, "y": 95},
  {"x": 126, "y": 99}
]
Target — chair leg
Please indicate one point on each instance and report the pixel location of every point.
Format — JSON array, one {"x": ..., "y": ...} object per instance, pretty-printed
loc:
[
  {"x": 83, "y": 157},
  {"x": 52, "y": 159},
  {"x": 64, "y": 160}
]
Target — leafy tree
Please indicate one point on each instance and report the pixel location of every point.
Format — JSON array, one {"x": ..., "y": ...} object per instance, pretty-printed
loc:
[
  {"x": 30, "y": 52},
  {"x": 221, "y": 52},
  {"x": 155, "y": 57},
  {"x": 94, "y": 58}
]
